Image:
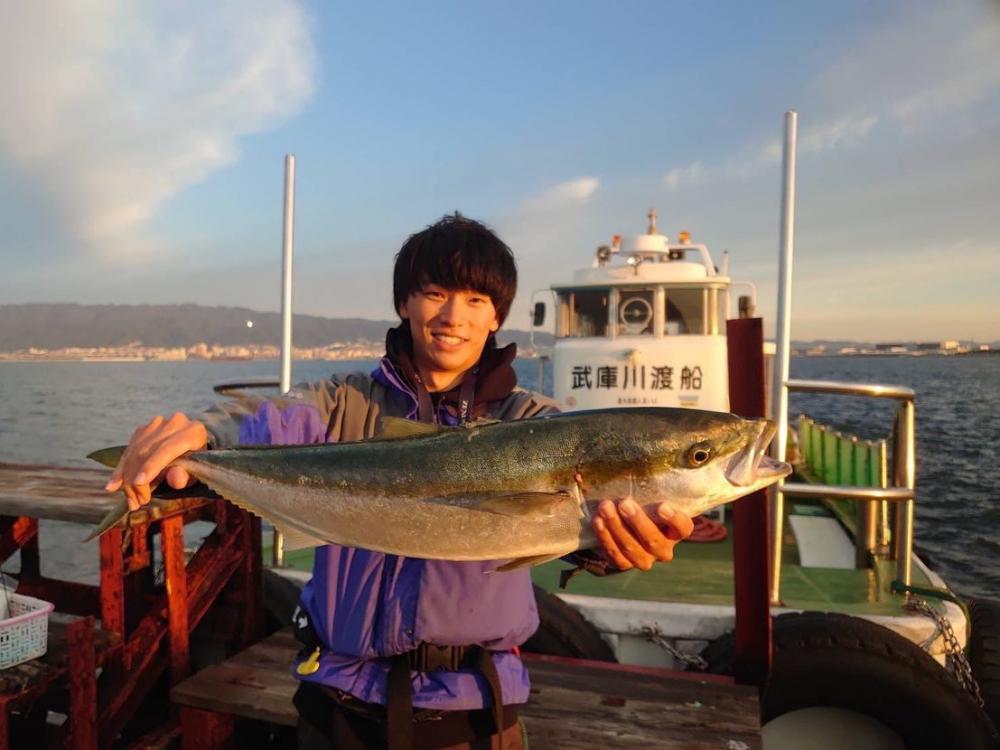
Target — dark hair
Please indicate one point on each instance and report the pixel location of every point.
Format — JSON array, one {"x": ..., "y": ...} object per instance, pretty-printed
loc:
[{"x": 456, "y": 253}]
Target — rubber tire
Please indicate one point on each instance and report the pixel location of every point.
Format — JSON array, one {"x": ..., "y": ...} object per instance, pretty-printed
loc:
[
  {"x": 984, "y": 652},
  {"x": 827, "y": 659},
  {"x": 562, "y": 631},
  {"x": 281, "y": 597}
]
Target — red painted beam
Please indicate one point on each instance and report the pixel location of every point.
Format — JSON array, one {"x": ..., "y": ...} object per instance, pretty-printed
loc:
[
  {"x": 751, "y": 522},
  {"x": 112, "y": 593},
  {"x": 175, "y": 577},
  {"x": 15, "y": 532},
  {"x": 205, "y": 730},
  {"x": 82, "y": 685}
]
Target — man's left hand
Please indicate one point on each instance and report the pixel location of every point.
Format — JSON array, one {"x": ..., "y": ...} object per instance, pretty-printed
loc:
[{"x": 631, "y": 539}]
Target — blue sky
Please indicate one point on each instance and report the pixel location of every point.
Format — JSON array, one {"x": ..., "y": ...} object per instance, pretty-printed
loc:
[{"x": 142, "y": 143}]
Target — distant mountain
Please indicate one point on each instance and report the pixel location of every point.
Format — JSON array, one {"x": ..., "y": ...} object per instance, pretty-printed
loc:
[{"x": 55, "y": 326}]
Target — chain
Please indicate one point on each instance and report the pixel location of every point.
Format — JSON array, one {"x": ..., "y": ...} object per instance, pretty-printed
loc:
[
  {"x": 954, "y": 654},
  {"x": 654, "y": 635}
]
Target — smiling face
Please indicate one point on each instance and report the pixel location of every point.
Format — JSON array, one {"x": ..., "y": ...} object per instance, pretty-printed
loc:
[{"x": 449, "y": 329}]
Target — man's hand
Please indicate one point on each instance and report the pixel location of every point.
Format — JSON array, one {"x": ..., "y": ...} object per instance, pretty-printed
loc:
[
  {"x": 631, "y": 539},
  {"x": 147, "y": 458}
]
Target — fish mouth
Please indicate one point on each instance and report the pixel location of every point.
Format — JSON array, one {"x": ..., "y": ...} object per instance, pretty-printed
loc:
[{"x": 751, "y": 465}]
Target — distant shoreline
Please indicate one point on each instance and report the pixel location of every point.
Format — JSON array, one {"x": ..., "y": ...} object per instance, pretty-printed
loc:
[{"x": 92, "y": 359}]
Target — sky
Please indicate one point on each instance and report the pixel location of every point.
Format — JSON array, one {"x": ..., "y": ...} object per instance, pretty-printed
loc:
[{"x": 142, "y": 148}]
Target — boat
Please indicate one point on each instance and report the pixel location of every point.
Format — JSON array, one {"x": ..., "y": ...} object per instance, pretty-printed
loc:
[{"x": 870, "y": 644}]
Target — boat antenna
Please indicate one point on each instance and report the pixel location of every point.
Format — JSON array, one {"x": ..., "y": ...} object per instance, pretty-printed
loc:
[{"x": 652, "y": 221}]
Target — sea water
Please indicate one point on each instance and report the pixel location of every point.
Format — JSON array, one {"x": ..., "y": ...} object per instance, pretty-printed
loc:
[{"x": 57, "y": 412}]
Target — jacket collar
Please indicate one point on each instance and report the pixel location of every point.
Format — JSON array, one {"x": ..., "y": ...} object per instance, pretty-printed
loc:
[{"x": 495, "y": 376}]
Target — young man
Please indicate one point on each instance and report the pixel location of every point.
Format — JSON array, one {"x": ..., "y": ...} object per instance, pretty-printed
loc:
[{"x": 403, "y": 651}]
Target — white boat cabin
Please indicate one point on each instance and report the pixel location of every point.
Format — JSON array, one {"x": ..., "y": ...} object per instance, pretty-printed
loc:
[{"x": 645, "y": 325}]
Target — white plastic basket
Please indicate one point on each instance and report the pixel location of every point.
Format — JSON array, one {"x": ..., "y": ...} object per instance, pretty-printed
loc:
[{"x": 24, "y": 634}]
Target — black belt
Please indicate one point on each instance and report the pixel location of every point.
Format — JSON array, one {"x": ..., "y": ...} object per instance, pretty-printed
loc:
[
  {"x": 430, "y": 658},
  {"x": 399, "y": 706}
]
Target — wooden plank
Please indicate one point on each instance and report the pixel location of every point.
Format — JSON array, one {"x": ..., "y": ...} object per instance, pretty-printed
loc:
[
  {"x": 73, "y": 494},
  {"x": 574, "y": 703},
  {"x": 82, "y": 685}
]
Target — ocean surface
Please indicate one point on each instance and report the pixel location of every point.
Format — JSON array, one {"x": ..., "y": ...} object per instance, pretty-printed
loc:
[{"x": 57, "y": 412}]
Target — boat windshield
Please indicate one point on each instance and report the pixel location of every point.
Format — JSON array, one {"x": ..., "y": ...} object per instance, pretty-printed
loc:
[
  {"x": 584, "y": 313},
  {"x": 685, "y": 312}
]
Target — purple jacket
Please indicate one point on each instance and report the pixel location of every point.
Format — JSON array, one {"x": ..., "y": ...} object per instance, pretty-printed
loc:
[{"x": 368, "y": 605}]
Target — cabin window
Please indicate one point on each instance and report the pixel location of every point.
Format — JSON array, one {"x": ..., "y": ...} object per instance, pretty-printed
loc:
[
  {"x": 584, "y": 314},
  {"x": 636, "y": 312},
  {"x": 685, "y": 312}
]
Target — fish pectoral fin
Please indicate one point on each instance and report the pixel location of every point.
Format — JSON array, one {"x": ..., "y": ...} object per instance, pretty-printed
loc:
[
  {"x": 525, "y": 562},
  {"x": 295, "y": 539},
  {"x": 524, "y": 504},
  {"x": 396, "y": 428}
]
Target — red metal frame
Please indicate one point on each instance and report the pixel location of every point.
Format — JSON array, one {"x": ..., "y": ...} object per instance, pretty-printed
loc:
[
  {"x": 153, "y": 624},
  {"x": 751, "y": 520}
]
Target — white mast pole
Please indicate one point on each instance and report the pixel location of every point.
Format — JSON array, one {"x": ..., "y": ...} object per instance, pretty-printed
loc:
[
  {"x": 287, "y": 246},
  {"x": 783, "y": 343}
]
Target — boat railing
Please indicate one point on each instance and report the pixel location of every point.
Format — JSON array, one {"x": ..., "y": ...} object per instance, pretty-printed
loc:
[
  {"x": 245, "y": 384},
  {"x": 871, "y": 533}
]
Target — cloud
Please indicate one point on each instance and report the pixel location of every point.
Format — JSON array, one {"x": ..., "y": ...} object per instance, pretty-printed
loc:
[
  {"x": 563, "y": 195},
  {"x": 113, "y": 108},
  {"x": 683, "y": 176},
  {"x": 843, "y": 132},
  {"x": 924, "y": 65},
  {"x": 927, "y": 62}
]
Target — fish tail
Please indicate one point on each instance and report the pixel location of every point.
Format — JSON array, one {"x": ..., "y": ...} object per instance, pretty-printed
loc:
[
  {"x": 114, "y": 517},
  {"x": 108, "y": 456}
]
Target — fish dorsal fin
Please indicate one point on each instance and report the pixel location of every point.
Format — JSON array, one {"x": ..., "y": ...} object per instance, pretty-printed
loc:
[
  {"x": 524, "y": 504},
  {"x": 397, "y": 428}
]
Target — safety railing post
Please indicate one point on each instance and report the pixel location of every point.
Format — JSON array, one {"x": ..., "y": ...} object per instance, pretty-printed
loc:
[{"x": 905, "y": 475}]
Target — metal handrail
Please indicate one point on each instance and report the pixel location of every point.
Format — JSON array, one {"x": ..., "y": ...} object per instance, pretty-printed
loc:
[
  {"x": 874, "y": 390},
  {"x": 904, "y": 474}
]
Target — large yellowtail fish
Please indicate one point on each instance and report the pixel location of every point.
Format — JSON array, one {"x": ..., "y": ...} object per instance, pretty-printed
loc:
[{"x": 521, "y": 491}]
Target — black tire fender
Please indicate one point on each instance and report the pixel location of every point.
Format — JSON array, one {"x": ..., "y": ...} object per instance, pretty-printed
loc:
[
  {"x": 829, "y": 659},
  {"x": 281, "y": 597},
  {"x": 984, "y": 652},
  {"x": 562, "y": 631}
]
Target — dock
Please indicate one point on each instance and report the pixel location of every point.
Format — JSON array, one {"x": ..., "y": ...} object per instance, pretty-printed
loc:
[{"x": 126, "y": 663}]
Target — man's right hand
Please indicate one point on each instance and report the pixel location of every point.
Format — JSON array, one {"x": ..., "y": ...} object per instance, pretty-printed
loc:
[{"x": 148, "y": 455}]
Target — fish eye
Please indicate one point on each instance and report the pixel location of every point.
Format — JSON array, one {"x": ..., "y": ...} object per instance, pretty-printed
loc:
[{"x": 699, "y": 454}]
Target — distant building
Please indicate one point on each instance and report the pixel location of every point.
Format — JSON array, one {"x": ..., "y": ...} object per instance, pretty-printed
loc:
[
  {"x": 891, "y": 348},
  {"x": 947, "y": 346}
]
